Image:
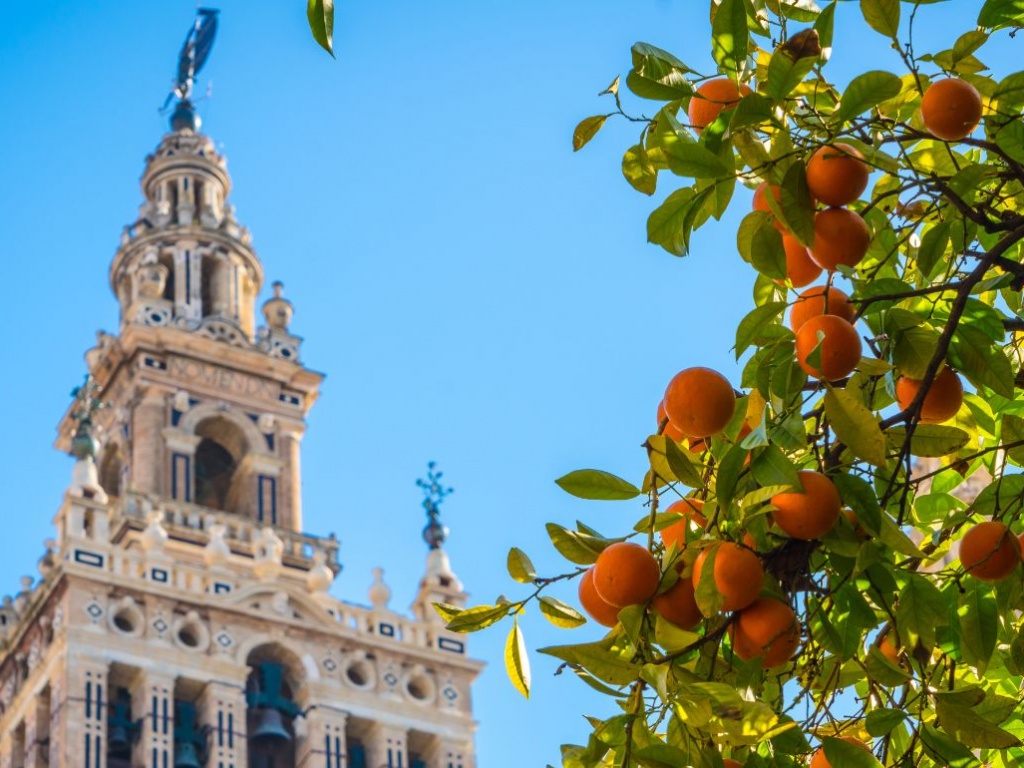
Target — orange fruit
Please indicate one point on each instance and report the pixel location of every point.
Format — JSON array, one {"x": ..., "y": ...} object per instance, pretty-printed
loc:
[
  {"x": 840, "y": 237},
  {"x": 594, "y": 605},
  {"x": 678, "y": 605},
  {"x": 890, "y": 651},
  {"x": 840, "y": 347},
  {"x": 811, "y": 513},
  {"x": 820, "y": 761},
  {"x": 837, "y": 174},
  {"x": 1020, "y": 540},
  {"x": 692, "y": 520},
  {"x": 670, "y": 431},
  {"x": 768, "y": 629},
  {"x": 699, "y": 402},
  {"x": 944, "y": 398},
  {"x": 697, "y": 444},
  {"x": 951, "y": 109},
  {"x": 712, "y": 98},
  {"x": 801, "y": 270},
  {"x": 738, "y": 574},
  {"x": 626, "y": 574},
  {"x": 820, "y": 301},
  {"x": 989, "y": 552},
  {"x": 760, "y": 201},
  {"x": 730, "y": 763}
]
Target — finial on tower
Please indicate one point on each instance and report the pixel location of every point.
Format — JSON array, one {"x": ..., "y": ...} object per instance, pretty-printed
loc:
[
  {"x": 87, "y": 402},
  {"x": 434, "y": 533},
  {"x": 193, "y": 56}
]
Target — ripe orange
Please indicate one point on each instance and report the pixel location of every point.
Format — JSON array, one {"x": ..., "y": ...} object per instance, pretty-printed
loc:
[
  {"x": 760, "y": 203},
  {"x": 711, "y": 99},
  {"x": 818, "y": 301},
  {"x": 678, "y": 605},
  {"x": 697, "y": 444},
  {"x": 692, "y": 520},
  {"x": 890, "y": 651},
  {"x": 951, "y": 109},
  {"x": 840, "y": 347},
  {"x": 738, "y": 574},
  {"x": 944, "y": 398},
  {"x": 989, "y": 551},
  {"x": 699, "y": 402},
  {"x": 670, "y": 431},
  {"x": 820, "y": 761},
  {"x": 837, "y": 174},
  {"x": 730, "y": 763},
  {"x": 840, "y": 237},
  {"x": 801, "y": 270},
  {"x": 768, "y": 629},
  {"x": 626, "y": 574},
  {"x": 809, "y": 514},
  {"x": 598, "y": 609}
]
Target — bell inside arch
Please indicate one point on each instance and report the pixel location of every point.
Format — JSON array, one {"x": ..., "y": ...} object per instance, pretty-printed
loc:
[
  {"x": 189, "y": 741},
  {"x": 269, "y": 727}
]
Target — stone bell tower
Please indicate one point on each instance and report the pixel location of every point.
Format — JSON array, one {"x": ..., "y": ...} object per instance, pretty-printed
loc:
[{"x": 182, "y": 619}]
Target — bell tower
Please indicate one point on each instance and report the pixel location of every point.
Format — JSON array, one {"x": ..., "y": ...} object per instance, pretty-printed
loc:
[{"x": 182, "y": 618}]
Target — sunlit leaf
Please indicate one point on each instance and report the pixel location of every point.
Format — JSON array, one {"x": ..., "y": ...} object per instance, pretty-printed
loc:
[
  {"x": 519, "y": 566},
  {"x": 586, "y": 130},
  {"x": 558, "y": 613},
  {"x": 855, "y": 425},
  {"x": 597, "y": 485},
  {"x": 866, "y": 91},
  {"x": 321, "y": 23},
  {"x": 517, "y": 664},
  {"x": 883, "y": 16}
]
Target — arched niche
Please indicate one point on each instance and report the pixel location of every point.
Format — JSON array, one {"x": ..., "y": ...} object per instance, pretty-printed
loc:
[
  {"x": 216, "y": 286},
  {"x": 276, "y": 674},
  {"x": 112, "y": 470},
  {"x": 219, "y": 476}
]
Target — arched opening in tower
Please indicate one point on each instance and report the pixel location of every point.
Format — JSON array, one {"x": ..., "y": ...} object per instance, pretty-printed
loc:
[
  {"x": 272, "y": 709},
  {"x": 111, "y": 468},
  {"x": 219, "y": 483}
]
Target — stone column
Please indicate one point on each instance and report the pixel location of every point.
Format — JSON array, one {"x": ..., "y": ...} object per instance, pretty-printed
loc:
[
  {"x": 222, "y": 710},
  {"x": 387, "y": 747},
  {"x": 5, "y": 751},
  {"x": 153, "y": 702},
  {"x": 35, "y": 729},
  {"x": 324, "y": 743},
  {"x": 78, "y": 737},
  {"x": 291, "y": 479},
  {"x": 147, "y": 460}
]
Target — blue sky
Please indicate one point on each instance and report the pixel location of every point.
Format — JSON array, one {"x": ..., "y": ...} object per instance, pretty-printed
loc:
[{"x": 475, "y": 292}]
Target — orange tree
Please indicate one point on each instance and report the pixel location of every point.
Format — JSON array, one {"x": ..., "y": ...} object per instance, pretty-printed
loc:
[{"x": 808, "y": 580}]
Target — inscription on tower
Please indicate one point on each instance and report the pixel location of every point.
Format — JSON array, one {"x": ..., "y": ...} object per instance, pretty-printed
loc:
[{"x": 223, "y": 379}]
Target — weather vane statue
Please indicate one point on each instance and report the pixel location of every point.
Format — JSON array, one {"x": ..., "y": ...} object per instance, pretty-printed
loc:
[
  {"x": 194, "y": 53},
  {"x": 434, "y": 533},
  {"x": 87, "y": 402}
]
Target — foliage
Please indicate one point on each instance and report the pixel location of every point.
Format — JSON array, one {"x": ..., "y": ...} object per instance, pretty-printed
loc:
[{"x": 940, "y": 285}]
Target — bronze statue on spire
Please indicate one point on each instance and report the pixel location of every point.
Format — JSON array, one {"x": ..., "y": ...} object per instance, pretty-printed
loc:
[
  {"x": 194, "y": 53},
  {"x": 434, "y": 533}
]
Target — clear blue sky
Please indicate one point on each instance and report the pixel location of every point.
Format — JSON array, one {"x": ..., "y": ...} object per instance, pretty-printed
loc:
[{"x": 476, "y": 294}]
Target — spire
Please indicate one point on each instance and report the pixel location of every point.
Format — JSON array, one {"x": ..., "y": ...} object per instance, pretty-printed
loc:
[
  {"x": 434, "y": 533},
  {"x": 198, "y": 42}
]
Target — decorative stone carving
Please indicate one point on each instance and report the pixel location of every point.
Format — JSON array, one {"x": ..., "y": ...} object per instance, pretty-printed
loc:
[
  {"x": 155, "y": 536},
  {"x": 268, "y": 550},
  {"x": 278, "y": 310},
  {"x": 46, "y": 562},
  {"x": 380, "y": 593},
  {"x": 320, "y": 577},
  {"x": 180, "y": 401},
  {"x": 217, "y": 552},
  {"x": 265, "y": 423},
  {"x": 151, "y": 279}
]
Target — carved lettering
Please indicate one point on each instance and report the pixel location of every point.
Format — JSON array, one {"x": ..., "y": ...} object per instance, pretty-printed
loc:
[{"x": 222, "y": 379}]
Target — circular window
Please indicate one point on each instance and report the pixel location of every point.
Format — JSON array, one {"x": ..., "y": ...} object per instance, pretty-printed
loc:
[
  {"x": 125, "y": 618},
  {"x": 420, "y": 687},
  {"x": 359, "y": 673},
  {"x": 123, "y": 622},
  {"x": 188, "y": 638},
  {"x": 190, "y": 633}
]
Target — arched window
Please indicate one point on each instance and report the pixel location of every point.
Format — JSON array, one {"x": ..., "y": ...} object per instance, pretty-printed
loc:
[
  {"x": 218, "y": 483},
  {"x": 167, "y": 260},
  {"x": 271, "y": 709},
  {"x": 215, "y": 295}
]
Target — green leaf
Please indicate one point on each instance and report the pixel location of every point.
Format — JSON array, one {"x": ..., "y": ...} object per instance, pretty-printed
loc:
[
  {"x": 729, "y": 471},
  {"x": 586, "y": 130},
  {"x": 671, "y": 223},
  {"x": 975, "y": 355},
  {"x": 691, "y": 160},
  {"x": 579, "y": 548},
  {"x": 996, "y": 14},
  {"x": 971, "y": 729},
  {"x": 321, "y": 23},
  {"x": 933, "y": 246},
  {"x": 657, "y": 74},
  {"x": 879, "y": 722},
  {"x": 519, "y": 566},
  {"x": 855, "y": 425},
  {"x": 560, "y": 614},
  {"x": 1013, "y": 432},
  {"x": 729, "y": 35},
  {"x": 767, "y": 254},
  {"x": 639, "y": 170},
  {"x": 796, "y": 204},
  {"x": 681, "y": 465},
  {"x": 752, "y": 326},
  {"x": 447, "y": 611},
  {"x": 597, "y": 485},
  {"x": 929, "y": 440},
  {"x": 597, "y": 658},
  {"x": 517, "y": 664},
  {"x": 785, "y": 73},
  {"x": 848, "y": 755},
  {"x": 772, "y": 467},
  {"x": 913, "y": 349},
  {"x": 866, "y": 91},
  {"x": 883, "y": 16},
  {"x": 709, "y": 599},
  {"x": 947, "y": 751},
  {"x": 478, "y": 617},
  {"x": 881, "y": 670},
  {"x": 979, "y": 621},
  {"x": 921, "y": 609},
  {"x": 858, "y": 494}
]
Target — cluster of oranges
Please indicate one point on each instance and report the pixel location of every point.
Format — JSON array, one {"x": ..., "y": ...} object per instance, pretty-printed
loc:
[{"x": 700, "y": 403}]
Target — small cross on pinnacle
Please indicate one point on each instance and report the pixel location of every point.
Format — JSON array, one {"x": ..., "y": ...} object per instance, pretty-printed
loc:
[{"x": 434, "y": 533}]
